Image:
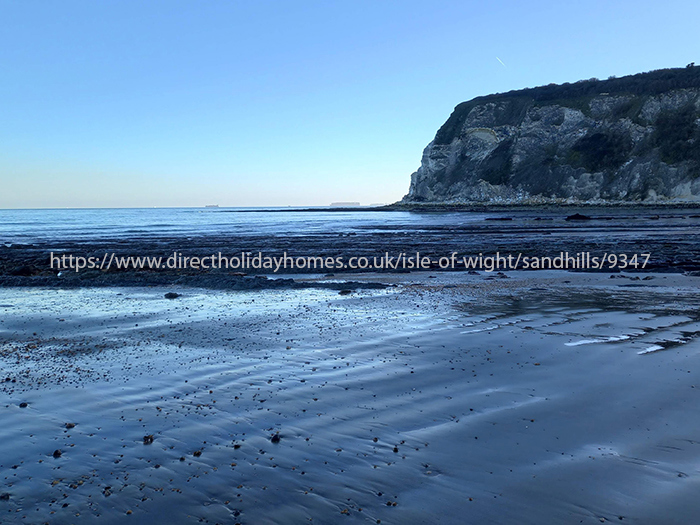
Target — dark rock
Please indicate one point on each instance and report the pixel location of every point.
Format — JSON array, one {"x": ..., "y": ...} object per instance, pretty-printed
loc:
[
  {"x": 23, "y": 271},
  {"x": 578, "y": 217},
  {"x": 4, "y": 496},
  {"x": 275, "y": 438},
  {"x": 147, "y": 440},
  {"x": 172, "y": 295},
  {"x": 57, "y": 453},
  {"x": 23, "y": 405},
  {"x": 344, "y": 292},
  {"x": 70, "y": 425}
]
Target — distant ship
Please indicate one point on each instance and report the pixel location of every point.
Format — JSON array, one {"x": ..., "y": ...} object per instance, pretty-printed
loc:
[{"x": 212, "y": 206}]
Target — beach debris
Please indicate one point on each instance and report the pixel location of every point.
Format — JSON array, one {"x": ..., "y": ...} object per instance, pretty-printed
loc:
[
  {"x": 57, "y": 453},
  {"x": 147, "y": 440},
  {"x": 275, "y": 438},
  {"x": 171, "y": 295}
]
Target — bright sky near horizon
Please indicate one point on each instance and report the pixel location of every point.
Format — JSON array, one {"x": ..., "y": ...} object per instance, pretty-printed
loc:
[{"x": 119, "y": 103}]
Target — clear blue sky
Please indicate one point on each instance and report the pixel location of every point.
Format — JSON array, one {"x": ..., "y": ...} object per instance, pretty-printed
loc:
[{"x": 187, "y": 103}]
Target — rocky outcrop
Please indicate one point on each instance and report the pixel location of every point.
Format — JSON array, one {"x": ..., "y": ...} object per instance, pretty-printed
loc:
[{"x": 633, "y": 138}]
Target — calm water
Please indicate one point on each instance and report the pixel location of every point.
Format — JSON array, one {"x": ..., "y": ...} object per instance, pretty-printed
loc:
[{"x": 26, "y": 226}]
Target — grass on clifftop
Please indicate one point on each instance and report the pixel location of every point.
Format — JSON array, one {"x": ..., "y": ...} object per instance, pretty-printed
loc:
[{"x": 576, "y": 95}]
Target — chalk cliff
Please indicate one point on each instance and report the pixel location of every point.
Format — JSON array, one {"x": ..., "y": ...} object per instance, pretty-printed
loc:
[{"x": 634, "y": 138}]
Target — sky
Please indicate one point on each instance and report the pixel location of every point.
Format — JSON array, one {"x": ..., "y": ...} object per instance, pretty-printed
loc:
[{"x": 121, "y": 103}]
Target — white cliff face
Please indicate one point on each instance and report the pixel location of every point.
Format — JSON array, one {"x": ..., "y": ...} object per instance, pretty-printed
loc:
[{"x": 619, "y": 147}]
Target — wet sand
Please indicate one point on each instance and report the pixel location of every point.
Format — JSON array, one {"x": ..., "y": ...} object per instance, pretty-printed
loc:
[{"x": 540, "y": 397}]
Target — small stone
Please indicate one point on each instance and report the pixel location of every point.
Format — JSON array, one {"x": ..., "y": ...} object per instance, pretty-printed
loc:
[
  {"x": 197, "y": 453},
  {"x": 147, "y": 440},
  {"x": 275, "y": 438},
  {"x": 172, "y": 295},
  {"x": 57, "y": 453},
  {"x": 5, "y": 496},
  {"x": 23, "y": 405},
  {"x": 344, "y": 292},
  {"x": 70, "y": 425}
]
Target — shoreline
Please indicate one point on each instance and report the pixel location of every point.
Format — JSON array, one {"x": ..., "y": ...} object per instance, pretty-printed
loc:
[
  {"x": 671, "y": 237},
  {"x": 484, "y": 207}
]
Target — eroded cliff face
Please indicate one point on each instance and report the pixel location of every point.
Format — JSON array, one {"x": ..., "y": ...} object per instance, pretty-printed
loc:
[{"x": 610, "y": 147}]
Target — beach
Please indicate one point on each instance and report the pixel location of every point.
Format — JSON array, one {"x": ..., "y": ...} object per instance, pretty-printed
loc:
[
  {"x": 274, "y": 263},
  {"x": 441, "y": 397}
]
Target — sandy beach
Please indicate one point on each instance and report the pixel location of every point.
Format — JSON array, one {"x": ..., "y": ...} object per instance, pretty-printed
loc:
[{"x": 532, "y": 397}]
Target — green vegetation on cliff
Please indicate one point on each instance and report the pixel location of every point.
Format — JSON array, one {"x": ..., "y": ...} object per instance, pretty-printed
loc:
[{"x": 575, "y": 95}]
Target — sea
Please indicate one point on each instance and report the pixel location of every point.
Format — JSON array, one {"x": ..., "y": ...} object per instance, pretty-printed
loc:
[{"x": 24, "y": 226}]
